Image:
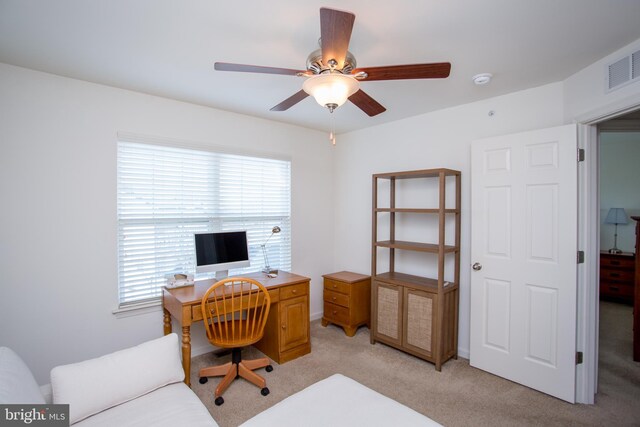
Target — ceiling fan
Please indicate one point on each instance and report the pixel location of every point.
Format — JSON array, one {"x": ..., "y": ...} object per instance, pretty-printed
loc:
[{"x": 332, "y": 76}]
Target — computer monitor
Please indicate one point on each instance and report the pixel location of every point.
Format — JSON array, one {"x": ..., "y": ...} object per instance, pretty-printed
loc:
[{"x": 219, "y": 252}]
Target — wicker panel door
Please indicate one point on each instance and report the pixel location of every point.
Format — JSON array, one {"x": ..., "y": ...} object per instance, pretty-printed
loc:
[
  {"x": 419, "y": 331},
  {"x": 388, "y": 315}
]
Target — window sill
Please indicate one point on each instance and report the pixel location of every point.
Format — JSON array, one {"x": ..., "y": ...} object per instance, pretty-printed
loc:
[{"x": 138, "y": 309}]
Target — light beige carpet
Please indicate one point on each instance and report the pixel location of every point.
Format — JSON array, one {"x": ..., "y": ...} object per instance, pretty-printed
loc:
[{"x": 458, "y": 396}]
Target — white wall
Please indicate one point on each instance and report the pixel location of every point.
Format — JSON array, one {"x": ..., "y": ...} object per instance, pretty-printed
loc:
[
  {"x": 439, "y": 139},
  {"x": 58, "y": 216},
  {"x": 619, "y": 184}
]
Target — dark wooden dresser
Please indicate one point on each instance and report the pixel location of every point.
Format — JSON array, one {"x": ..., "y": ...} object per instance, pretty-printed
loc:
[
  {"x": 636, "y": 305},
  {"x": 617, "y": 277}
]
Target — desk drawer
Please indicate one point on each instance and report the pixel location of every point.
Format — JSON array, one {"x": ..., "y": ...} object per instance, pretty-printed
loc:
[
  {"x": 335, "y": 313},
  {"x": 196, "y": 313},
  {"x": 275, "y": 295},
  {"x": 293, "y": 291},
  {"x": 336, "y": 298},
  {"x": 333, "y": 285}
]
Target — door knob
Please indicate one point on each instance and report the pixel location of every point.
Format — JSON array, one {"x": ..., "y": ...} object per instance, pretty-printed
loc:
[{"x": 477, "y": 266}]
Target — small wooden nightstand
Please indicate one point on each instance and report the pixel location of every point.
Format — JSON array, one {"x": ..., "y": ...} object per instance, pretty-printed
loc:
[
  {"x": 347, "y": 300},
  {"x": 617, "y": 272}
]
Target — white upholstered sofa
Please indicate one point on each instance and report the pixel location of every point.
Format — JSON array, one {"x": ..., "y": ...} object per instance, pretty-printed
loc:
[
  {"x": 138, "y": 386},
  {"x": 143, "y": 386}
]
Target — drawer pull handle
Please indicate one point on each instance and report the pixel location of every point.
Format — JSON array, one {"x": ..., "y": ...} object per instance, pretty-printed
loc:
[
  {"x": 335, "y": 312},
  {"x": 284, "y": 326},
  {"x": 335, "y": 286},
  {"x": 614, "y": 288},
  {"x": 334, "y": 298},
  {"x": 294, "y": 291},
  {"x": 614, "y": 274}
]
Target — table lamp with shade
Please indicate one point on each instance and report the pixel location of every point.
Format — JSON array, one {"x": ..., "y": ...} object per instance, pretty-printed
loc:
[
  {"x": 267, "y": 269},
  {"x": 616, "y": 216}
]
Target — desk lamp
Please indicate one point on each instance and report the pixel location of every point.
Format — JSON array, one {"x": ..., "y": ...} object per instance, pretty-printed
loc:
[
  {"x": 267, "y": 269},
  {"x": 616, "y": 216}
]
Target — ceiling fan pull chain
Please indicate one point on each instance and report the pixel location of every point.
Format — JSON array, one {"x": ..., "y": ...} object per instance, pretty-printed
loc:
[{"x": 332, "y": 133}]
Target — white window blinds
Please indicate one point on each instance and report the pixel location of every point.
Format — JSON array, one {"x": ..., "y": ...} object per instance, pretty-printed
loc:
[{"x": 167, "y": 194}]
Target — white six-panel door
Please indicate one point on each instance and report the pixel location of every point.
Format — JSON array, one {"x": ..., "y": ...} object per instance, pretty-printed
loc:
[{"x": 524, "y": 250}]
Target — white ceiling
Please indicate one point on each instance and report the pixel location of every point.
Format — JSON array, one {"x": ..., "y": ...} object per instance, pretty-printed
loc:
[{"x": 168, "y": 47}]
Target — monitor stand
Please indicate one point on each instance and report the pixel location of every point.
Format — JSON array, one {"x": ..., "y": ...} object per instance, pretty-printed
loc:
[{"x": 222, "y": 274}]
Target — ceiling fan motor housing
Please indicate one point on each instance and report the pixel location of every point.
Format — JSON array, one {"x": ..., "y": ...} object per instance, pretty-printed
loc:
[{"x": 316, "y": 66}]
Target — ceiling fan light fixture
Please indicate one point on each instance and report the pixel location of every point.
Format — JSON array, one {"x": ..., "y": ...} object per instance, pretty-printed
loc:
[{"x": 331, "y": 90}]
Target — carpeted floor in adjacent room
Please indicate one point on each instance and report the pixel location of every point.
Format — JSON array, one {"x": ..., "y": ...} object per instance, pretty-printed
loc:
[{"x": 458, "y": 396}]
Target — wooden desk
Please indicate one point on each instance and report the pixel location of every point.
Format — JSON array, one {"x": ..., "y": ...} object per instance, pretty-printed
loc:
[{"x": 286, "y": 334}]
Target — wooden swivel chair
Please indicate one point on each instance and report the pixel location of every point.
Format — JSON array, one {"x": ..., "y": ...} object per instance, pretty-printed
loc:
[{"x": 235, "y": 312}]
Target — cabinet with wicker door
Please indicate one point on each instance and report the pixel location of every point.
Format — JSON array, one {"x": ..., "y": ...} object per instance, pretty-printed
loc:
[{"x": 417, "y": 314}]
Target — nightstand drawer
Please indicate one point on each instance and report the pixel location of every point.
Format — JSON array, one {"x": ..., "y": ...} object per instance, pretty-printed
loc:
[
  {"x": 616, "y": 290},
  {"x": 336, "y": 298},
  {"x": 617, "y": 261},
  {"x": 617, "y": 274},
  {"x": 335, "y": 313},
  {"x": 332, "y": 285}
]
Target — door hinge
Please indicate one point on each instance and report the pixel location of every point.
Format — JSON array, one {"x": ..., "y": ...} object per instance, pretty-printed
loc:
[
  {"x": 578, "y": 357},
  {"x": 580, "y": 257},
  {"x": 581, "y": 154}
]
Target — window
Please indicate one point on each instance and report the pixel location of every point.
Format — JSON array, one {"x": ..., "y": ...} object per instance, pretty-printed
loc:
[{"x": 167, "y": 194}]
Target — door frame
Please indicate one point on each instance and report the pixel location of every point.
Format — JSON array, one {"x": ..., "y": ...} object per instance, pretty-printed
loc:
[{"x": 589, "y": 241}]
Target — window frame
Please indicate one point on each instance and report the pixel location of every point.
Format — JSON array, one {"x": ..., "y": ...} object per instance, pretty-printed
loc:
[{"x": 279, "y": 246}]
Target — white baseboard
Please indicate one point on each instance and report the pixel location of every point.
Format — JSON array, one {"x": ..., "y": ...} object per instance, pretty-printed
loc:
[
  {"x": 316, "y": 316},
  {"x": 463, "y": 352}
]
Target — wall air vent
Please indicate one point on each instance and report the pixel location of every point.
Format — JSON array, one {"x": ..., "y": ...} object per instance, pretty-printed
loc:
[{"x": 623, "y": 71}]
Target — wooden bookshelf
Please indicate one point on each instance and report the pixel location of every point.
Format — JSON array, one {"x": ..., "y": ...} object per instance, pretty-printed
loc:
[{"x": 418, "y": 315}]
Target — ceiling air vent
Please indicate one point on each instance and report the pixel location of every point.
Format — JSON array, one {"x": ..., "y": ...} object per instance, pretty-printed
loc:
[{"x": 623, "y": 71}]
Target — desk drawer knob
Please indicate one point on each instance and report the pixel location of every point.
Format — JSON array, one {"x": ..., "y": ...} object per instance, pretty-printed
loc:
[
  {"x": 335, "y": 312},
  {"x": 294, "y": 291},
  {"x": 284, "y": 326},
  {"x": 334, "y": 298},
  {"x": 335, "y": 286}
]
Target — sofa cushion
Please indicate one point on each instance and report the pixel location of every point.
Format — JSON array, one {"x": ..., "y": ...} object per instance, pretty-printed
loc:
[
  {"x": 169, "y": 406},
  {"x": 17, "y": 384},
  {"x": 97, "y": 384}
]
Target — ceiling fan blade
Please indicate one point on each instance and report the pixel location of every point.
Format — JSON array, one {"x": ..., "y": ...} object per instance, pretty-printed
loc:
[
  {"x": 335, "y": 33},
  {"x": 291, "y": 101},
  {"x": 437, "y": 70},
  {"x": 225, "y": 66},
  {"x": 367, "y": 103}
]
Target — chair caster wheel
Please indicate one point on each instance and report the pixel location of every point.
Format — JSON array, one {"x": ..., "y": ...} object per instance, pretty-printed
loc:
[
  {"x": 264, "y": 391},
  {"x": 269, "y": 368},
  {"x": 219, "y": 401},
  {"x": 203, "y": 380}
]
